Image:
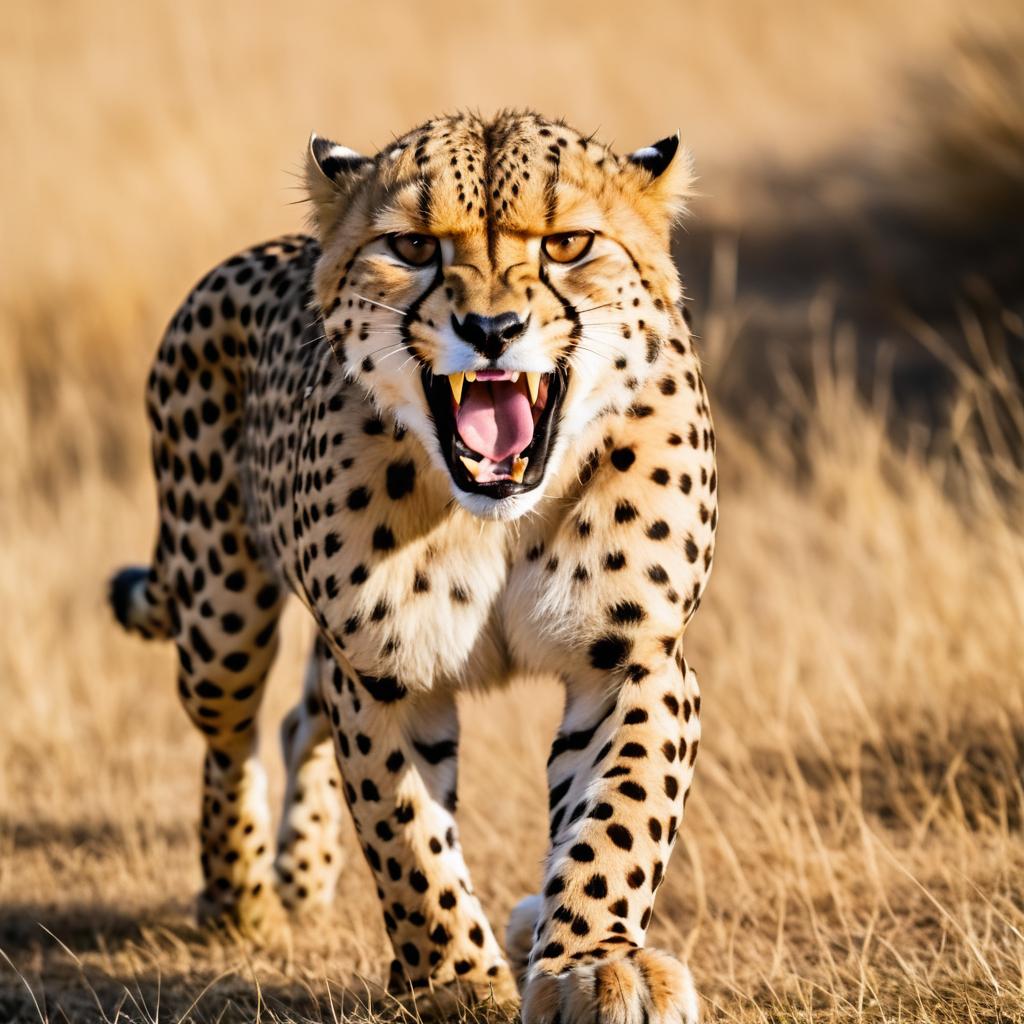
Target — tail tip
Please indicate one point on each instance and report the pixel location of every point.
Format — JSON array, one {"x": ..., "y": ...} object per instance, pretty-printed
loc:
[{"x": 122, "y": 586}]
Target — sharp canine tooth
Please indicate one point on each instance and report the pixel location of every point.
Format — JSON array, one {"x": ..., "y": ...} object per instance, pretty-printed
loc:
[
  {"x": 519, "y": 469},
  {"x": 472, "y": 467},
  {"x": 515, "y": 377},
  {"x": 456, "y": 379},
  {"x": 471, "y": 376},
  {"x": 533, "y": 382}
]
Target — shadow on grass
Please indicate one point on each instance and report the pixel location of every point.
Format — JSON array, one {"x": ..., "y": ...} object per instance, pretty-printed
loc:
[{"x": 63, "y": 990}]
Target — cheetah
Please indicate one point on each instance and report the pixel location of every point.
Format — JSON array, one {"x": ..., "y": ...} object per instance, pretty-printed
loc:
[{"x": 463, "y": 422}]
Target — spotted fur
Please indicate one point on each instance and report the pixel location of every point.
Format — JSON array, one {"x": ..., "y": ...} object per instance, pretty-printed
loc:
[{"x": 296, "y": 406}]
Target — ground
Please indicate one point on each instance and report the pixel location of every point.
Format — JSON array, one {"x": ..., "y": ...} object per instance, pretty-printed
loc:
[{"x": 854, "y": 844}]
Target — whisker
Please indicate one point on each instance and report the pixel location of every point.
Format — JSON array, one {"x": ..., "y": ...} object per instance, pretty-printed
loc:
[
  {"x": 614, "y": 302},
  {"x": 312, "y": 341},
  {"x": 374, "y": 302},
  {"x": 394, "y": 352},
  {"x": 600, "y": 355},
  {"x": 600, "y": 341}
]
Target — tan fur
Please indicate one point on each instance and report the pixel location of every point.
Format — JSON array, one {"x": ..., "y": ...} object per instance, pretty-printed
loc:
[{"x": 296, "y": 450}]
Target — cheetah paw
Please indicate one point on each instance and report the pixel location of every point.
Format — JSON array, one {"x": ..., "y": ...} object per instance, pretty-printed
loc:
[
  {"x": 255, "y": 916},
  {"x": 646, "y": 985}
]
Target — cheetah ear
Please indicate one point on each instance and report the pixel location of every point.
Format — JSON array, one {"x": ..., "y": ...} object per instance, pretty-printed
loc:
[
  {"x": 330, "y": 171},
  {"x": 333, "y": 161},
  {"x": 664, "y": 172}
]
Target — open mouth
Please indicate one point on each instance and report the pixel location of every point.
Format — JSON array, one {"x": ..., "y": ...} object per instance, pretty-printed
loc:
[{"x": 495, "y": 427}]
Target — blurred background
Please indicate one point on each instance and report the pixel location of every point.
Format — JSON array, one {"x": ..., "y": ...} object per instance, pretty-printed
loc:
[{"x": 854, "y": 258}]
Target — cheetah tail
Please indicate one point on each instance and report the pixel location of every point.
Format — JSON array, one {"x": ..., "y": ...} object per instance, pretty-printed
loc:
[{"x": 136, "y": 598}]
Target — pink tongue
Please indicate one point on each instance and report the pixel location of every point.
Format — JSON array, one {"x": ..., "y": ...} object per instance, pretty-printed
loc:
[{"x": 495, "y": 420}]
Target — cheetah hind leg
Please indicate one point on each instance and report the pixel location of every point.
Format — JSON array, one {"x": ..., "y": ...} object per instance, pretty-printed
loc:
[
  {"x": 521, "y": 934},
  {"x": 309, "y": 852}
]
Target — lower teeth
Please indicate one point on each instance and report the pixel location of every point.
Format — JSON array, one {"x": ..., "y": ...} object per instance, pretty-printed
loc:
[{"x": 484, "y": 467}]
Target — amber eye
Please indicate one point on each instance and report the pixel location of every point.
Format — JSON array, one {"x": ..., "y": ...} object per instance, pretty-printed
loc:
[
  {"x": 416, "y": 250},
  {"x": 568, "y": 247}
]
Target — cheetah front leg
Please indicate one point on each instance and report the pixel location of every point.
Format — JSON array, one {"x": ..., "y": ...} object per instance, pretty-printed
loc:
[
  {"x": 619, "y": 772},
  {"x": 398, "y": 757}
]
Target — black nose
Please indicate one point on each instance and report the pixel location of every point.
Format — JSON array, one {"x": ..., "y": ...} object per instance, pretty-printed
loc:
[{"x": 489, "y": 335}]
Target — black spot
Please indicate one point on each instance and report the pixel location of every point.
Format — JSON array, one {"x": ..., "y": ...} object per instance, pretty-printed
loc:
[
  {"x": 658, "y": 530},
  {"x": 625, "y": 512},
  {"x": 383, "y": 538},
  {"x": 386, "y": 689},
  {"x": 582, "y": 852},
  {"x": 554, "y": 887},
  {"x": 621, "y": 836},
  {"x": 633, "y": 790},
  {"x": 235, "y": 581},
  {"x": 358, "y": 497},
  {"x": 610, "y": 651},
  {"x": 401, "y": 478},
  {"x": 199, "y": 644},
  {"x": 597, "y": 887},
  {"x": 623, "y": 458},
  {"x": 626, "y": 612},
  {"x": 435, "y": 753},
  {"x": 236, "y": 661},
  {"x": 614, "y": 561}
]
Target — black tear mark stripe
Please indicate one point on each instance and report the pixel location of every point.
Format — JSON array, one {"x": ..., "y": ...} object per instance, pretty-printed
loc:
[
  {"x": 568, "y": 309},
  {"x": 632, "y": 259},
  {"x": 579, "y": 740},
  {"x": 412, "y": 314}
]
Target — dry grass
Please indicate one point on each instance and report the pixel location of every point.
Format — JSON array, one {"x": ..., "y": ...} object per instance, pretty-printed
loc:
[{"x": 854, "y": 847}]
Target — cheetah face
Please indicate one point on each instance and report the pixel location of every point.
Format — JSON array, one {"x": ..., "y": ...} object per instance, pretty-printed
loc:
[{"x": 497, "y": 286}]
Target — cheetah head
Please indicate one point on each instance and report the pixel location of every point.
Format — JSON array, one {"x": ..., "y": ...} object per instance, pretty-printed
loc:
[{"x": 497, "y": 286}]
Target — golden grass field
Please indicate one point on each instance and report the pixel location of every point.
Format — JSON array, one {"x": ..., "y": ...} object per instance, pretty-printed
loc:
[{"x": 854, "y": 847}]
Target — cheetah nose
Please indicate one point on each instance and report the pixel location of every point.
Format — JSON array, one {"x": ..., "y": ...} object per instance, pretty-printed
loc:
[{"x": 489, "y": 335}]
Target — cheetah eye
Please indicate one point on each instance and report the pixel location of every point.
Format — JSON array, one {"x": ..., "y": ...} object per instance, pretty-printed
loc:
[
  {"x": 568, "y": 247},
  {"x": 416, "y": 250}
]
